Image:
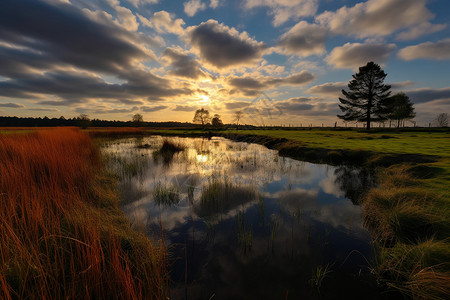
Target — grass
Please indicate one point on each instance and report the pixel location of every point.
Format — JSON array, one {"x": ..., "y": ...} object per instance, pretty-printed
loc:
[
  {"x": 166, "y": 195},
  {"x": 318, "y": 275},
  {"x": 62, "y": 232}
]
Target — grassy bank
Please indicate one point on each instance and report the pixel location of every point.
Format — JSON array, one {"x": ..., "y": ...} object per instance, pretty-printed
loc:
[
  {"x": 63, "y": 235},
  {"x": 407, "y": 213}
]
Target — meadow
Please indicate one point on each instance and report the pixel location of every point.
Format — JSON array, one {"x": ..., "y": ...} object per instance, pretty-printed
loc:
[{"x": 63, "y": 235}]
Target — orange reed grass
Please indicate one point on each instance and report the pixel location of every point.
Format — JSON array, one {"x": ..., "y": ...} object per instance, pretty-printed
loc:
[{"x": 62, "y": 234}]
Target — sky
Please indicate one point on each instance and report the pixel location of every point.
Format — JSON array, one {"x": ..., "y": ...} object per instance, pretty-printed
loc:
[{"x": 279, "y": 62}]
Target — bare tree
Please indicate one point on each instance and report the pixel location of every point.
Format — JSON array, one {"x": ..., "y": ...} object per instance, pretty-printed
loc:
[
  {"x": 83, "y": 121},
  {"x": 137, "y": 119},
  {"x": 441, "y": 120},
  {"x": 238, "y": 116}
]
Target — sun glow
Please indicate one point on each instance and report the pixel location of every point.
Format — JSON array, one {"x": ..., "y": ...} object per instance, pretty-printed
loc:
[{"x": 205, "y": 99}]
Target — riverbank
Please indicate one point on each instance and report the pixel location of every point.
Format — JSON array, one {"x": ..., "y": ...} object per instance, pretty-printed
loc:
[
  {"x": 407, "y": 213},
  {"x": 63, "y": 235}
]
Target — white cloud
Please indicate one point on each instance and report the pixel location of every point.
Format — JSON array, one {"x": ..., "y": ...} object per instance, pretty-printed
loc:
[
  {"x": 193, "y": 6},
  {"x": 137, "y": 3},
  {"x": 377, "y": 18},
  {"x": 329, "y": 89},
  {"x": 419, "y": 30},
  {"x": 214, "y": 3},
  {"x": 352, "y": 56},
  {"x": 162, "y": 21},
  {"x": 429, "y": 50},
  {"x": 126, "y": 18},
  {"x": 285, "y": 10},
  {"x": 304, "y": 39}
]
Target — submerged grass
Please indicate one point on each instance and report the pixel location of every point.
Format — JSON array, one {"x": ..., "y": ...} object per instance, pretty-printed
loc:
[
  {"x": 62, "y": 233},
  {"x": 166, "y": 195}
]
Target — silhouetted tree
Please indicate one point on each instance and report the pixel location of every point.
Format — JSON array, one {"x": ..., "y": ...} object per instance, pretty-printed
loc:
[
  {"x": 137, "y": 119},
  {"x": 238, "y": 116},
  {"x": 201, "y": 117},
  {"x": 365, "y": 101},
  {"x": 83, "y": 121},
  {"x": 400, "y": 108},
  {"x": 441, "y": 120},
  {"x": 216, "y": 121}
]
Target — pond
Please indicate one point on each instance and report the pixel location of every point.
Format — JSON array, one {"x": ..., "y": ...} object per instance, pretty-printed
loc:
[{"x": 241, "y": 222}]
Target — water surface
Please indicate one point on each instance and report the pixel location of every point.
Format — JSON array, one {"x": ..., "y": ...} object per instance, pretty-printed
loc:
[{"x": 241, "y": 222}]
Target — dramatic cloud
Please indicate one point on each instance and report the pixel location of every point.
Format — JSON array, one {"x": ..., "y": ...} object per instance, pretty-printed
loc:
[
  {"x": 376, "y": 18},
  {"x": 252, "y": 86},
  {"x": 423, "y": 95},
  {"x": 66, "y": 85},
  {"x": 307, "y": 107},
  {"x": 334, "y": 89},
  {"x": 352, "y": 56},
  {"x": 153, "y": 108},
  {"x": 222, "y": 46},
  {"x": 65, "y": 35},
  {"x": 285, "y": 10},
  {"x": 329, "y": 89},
  {"x": 162, "y": 21},
  {"x": 186, "y": 108},
  {"x": 236, "y": 105},
  {"x": 193, "y": 6},
  {"x": 439, "y": 50},
  {"x": 11, "y": 105},
  {"x": 182, "y": 64},
  {"x": 304, "y": 39}
]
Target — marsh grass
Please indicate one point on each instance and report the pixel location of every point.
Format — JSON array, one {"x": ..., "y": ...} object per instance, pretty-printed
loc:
[
  {"x": 244, "y": 233},
  {"x": 166, "y": 194},
  {"x": 167, "y": 151},
  {"x": 62, "y": 233},
  {"x": 411, "y": 230},
  {"x": 318, "y": 275}
]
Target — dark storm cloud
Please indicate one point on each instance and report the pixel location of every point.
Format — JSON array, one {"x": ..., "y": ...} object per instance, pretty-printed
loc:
[
  {"x": 222, "y": 46},
  {"x": 182, "y": 64},
  {"x": 65, "y": 33}
]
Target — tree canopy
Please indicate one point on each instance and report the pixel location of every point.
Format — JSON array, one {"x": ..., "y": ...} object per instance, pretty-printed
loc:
[
  {"x": 137, "y": 119},
  {"x": 216, "y": 121},
  {"x": 201, "y": 117},
  {"x": 400, "y": 108},
  {"x": 366, "y": 99}
]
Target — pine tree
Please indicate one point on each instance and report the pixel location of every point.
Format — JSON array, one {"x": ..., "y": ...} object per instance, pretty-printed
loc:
[{"x": 366, "y": 99}]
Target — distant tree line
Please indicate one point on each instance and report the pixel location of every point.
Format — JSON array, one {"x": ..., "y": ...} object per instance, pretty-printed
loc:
[{"x": 83, "y": 121}]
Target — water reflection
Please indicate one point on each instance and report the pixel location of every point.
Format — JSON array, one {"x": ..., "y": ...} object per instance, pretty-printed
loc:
[{"x": 253, "y": 225}]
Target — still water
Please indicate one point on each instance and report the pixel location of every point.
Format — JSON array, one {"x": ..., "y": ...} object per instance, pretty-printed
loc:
[{"x": 241, "y": 222}]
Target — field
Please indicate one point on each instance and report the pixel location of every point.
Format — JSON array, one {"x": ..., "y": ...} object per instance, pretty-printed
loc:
[{"x": 62, "y": 233}]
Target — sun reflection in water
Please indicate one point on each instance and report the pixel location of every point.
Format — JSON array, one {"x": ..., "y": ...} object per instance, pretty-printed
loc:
[{"x": 202, "y": 158}]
